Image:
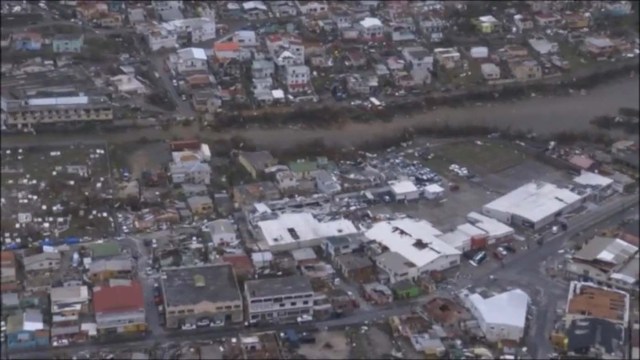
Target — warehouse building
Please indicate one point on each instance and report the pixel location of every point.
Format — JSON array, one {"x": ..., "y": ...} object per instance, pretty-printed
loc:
[
  {"x": 533, "y": 205},
  {"x": 282, "y": 300},
  {"x": 404, "y": 190},
  {"x": 502, "y": 316},
  {"x": 413, "y": 249},
  {"x": 290, "y": 231}
]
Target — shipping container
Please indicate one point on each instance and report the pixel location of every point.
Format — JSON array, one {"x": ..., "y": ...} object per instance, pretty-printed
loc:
[
  {"x": 72, "y": 240},
  {"x": 479, "y": 242}
]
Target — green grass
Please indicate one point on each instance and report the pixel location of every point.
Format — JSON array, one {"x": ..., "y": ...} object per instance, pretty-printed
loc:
[{"x": 490, "y": 157}]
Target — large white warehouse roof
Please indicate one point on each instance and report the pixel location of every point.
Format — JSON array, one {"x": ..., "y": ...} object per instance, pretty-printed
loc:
[
  {"x": 414, "y": 239},
  {"x": 534, "y": 201}
]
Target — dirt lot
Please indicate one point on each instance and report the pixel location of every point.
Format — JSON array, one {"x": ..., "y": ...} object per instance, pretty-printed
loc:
[
  {"x": 329, "y": 345},
  {"x": 372, "y": 343}
]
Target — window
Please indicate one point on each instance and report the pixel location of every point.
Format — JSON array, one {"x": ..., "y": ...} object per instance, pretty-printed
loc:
[
  {"x": 218, "y": 307},
  {"x": 293, "y": 303},
  {"x": 236, "y": 306},
  {"x": 282, "y": 305},
  {"x": 228, "y": 307},
  {"x": 180, "y": 311},
  {"x": 277, "y": 299},
  {"x": 306, "y": 302}
]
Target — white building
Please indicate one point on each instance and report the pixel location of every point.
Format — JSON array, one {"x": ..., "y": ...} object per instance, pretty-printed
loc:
[
  {"x": 285, "y": 49},
  {"x": 433, "y": 191},
  {"x": 404, "y": 190},
  {"x": 490, "y": 71},
  {"x": 298, "y": 230},
  {"x": 200, "y": 29},
  {"x": 460, "y": 238},
  {"x": 166, "y": 5},
  {"x": 128, "y": 84},
  {"x": 191, "y": 60},
  {"x": 286, "y": 180},
  {"x": 245, "y": 38},
  {"x": 222, "y": 232},
  {"x": 502, "y": 316},
  {"x": 298, "y": 78},
  {"x": 161, "y": 38},
  {"x": 281, "y": 300},
  {"x": 495, "y": 230},
  {"x": 417, "y": 244},
  {"x": 371, "y": 29},
  {"x": 312, "y": 7},
  {"x": 533, "y": 205},
  {"x": 599, "y": 185}
]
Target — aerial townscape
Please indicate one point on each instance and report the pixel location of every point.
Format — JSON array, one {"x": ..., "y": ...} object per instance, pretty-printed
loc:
[{"x": 296, "y": 179}]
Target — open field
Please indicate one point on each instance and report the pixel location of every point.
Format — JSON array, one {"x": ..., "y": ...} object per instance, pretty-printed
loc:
[{"x": 481, "y": 157}]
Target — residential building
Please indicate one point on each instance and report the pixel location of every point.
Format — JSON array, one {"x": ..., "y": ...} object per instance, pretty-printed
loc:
[
  {"x": 245, "y": 38},
  {"x": 523, "y": 22},
  {"x": 41, "y": 260},
  {"x": 280, "y": 300},
  {"x": 190, "y": 170},
  {"x": 286, "y": 180},
  {"x": 8, "y": 273},
  {"x": 68, "y": 43},
  {"x": 285, "y": 49},
  {"x": 576, "y": 21},
  {"x": 119, "y": 308},
  {"x": 598, "y": 46},
  {"x": 241, "y": 263},
  {"x": 161, "y": 38},
  {"x": 197, "y": 29},
  {"x": 128, "y": 84},
  {"x": 404, "y": 190},
  {"x": 501, "y": 317},
  {"x": 255, "y": 162},
  {"x": 201, "y": 295},
  {"x": 342, "y": 19},
  {"x": 261, "y": 68},
  {"x": 30, "y": 112},
  {"x": 487, "y": 24},
  {"x": 164, "y": 5},
  {"x": 91, "y": 10},
  {"x": 68, "y": 304},
  {"x": 312, "y": 7},
  {"x": 447, "y": 57},
  {"x": 225, "y": 51},
  {"x": 191, "y": 60},
  {"x": 418, "y": 57},
  {"x": 356, "y": 267},
  {"x": 200, "y": 205},
  {"x": 533, "y": 205},
  {"x": 290, "y": 231},
  {"x": 371, "y": 29},
  {"x": 298, "y": 79},
  {"x": 341, "y": 245},
  {"x": 26, "y": 330},
  {"x": 249, "y": 194},
  {"x": 326, "y": 183},
  {"x": 106, "y": 269},
  {"x": 524, "y": 70},
  {"x": 594, "y": 338},
  {"x": 303, "y": 169},
  {"x": 490, "y": 71},
  {"x": 547, "y": 19},
  {"x": 607, "y": 262},
  {"x": 413, "y": 249},
  {"x": 222, "y": 232},
  {"x": 27, "y": 41}
]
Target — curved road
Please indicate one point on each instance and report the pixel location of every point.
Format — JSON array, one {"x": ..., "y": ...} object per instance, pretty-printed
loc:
[{"x": 542, "y": 115}]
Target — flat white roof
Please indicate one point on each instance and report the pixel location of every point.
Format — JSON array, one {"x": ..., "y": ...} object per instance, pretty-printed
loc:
[
  {"x": 508, "y": 308},
  {"x": 592, "y": 179},
  {"x": 470, "y": 230},
  {"x": 192, "y": 53},
  {"x": 455, "y": 238},
  {"x": 69, "y": 100},
  {"x": 300, "y": 227},
  {"x": 434, "y": 188},
  {"x": 277, "y": 94},
  {"x": 401, "y": 236},
  {"x": 370, "y": 21},
  {"x": 534, "y": 201},
  {"x": 402, "y": 187},
  {"x": 491, "y": 226}
]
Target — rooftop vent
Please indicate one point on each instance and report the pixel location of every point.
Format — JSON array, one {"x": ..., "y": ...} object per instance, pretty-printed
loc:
[{"x": 198, "y": 280}]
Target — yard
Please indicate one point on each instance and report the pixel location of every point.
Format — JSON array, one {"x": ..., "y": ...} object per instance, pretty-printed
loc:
[{"x": 481, "y": 157}]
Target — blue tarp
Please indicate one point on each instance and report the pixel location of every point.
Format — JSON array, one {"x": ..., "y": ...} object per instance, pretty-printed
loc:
[
  {"x": 47, "y": 242},
  {"x": 72, "y": 240}
]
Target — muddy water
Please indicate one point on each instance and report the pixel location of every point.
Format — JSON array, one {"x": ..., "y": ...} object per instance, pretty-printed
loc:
[{"x": 542, "y": 115}]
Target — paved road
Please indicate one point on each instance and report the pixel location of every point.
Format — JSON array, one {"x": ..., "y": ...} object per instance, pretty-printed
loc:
[{"x": 182, "y": 107}]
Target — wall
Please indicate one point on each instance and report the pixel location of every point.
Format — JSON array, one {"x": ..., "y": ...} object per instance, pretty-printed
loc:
[
  {"x": 118, "y": 319},
  {"x": 204, "y": 309}
]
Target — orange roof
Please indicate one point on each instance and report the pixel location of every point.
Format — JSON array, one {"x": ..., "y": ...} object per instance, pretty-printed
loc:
[
  {"x": 226, "y": 46},
  {"x": 118, "y": 298},
  {"x": 8, "y": 258},
  {"x": 598, "y": 302}
]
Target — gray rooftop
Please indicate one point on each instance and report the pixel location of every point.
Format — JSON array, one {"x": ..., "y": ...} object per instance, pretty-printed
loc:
[
  {"x": 260, "y": 160},
  {"x": 395, "y": 262},
  {"x": 295, "y": 284},
  {"x": 354, "y": 261},
  {"x": 218, "y": 284}
]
